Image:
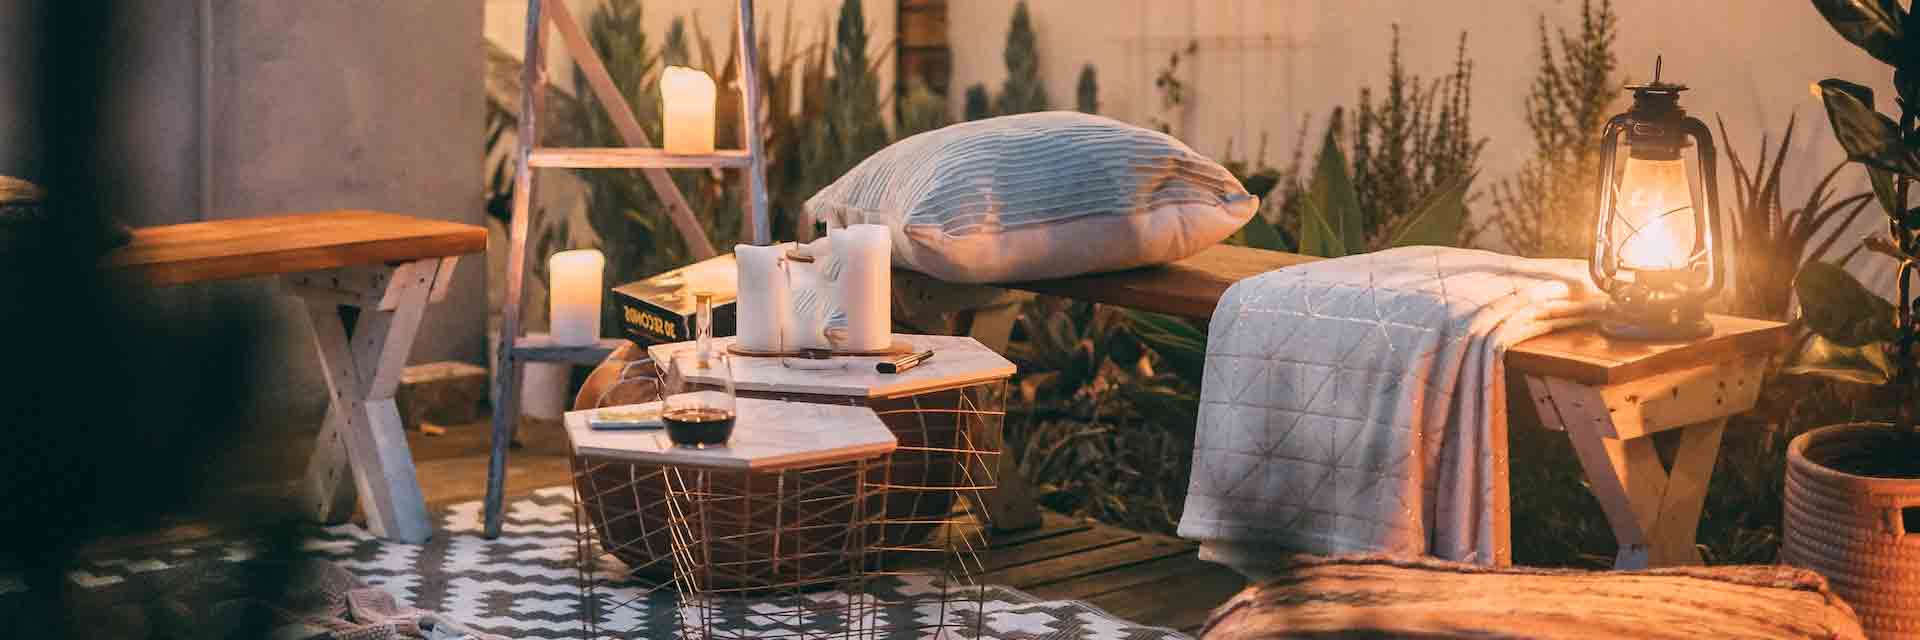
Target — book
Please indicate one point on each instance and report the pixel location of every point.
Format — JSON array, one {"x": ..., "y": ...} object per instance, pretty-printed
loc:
[{"x": 660, "y": 309}]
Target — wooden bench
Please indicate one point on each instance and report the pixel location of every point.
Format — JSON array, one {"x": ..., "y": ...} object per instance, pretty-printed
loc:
[
  {"x": 1610, "y": 397},
  {"x": 386, "y": 267}
]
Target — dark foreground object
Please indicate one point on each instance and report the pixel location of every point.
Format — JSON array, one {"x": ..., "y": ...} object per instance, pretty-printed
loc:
[{"x": 1380, "y": 596}]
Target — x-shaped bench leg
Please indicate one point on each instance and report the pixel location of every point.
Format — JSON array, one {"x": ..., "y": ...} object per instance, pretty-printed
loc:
[
  {"x": 362, "y": 447},
  {"x": 1653, "y": 508}
]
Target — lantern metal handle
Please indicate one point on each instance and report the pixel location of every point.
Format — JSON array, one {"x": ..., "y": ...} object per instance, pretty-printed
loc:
[
  {"x": 1717, "y": 263},
  {"x": 1602, "y": 255}
]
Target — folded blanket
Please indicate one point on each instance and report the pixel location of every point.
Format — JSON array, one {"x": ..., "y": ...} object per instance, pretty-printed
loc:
[{"x": 1357, "y": 404}]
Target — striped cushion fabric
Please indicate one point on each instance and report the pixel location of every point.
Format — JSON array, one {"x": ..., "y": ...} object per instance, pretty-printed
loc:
[{"x": 1037, "y": 196}]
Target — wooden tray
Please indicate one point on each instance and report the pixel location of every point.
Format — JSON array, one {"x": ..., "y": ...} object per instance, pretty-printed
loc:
[{"x": 898, "y": 348}]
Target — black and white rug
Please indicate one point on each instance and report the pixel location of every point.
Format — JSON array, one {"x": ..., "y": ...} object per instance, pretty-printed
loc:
[{"x": 524, "y": 584}]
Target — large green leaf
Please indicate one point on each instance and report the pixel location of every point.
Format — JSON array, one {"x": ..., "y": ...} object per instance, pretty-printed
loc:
[
  {"x": 1261, "y": 234},
  {"x": 1838, "y": 308},
  {"x": 1440, "y": 217},
  {"x": 1317, "y": 236},
  {"x": 1182, "y": 347},
  {"x": 1864, "y": 364},
  {"x": 1873, "y": 25},
  {"x": 1883, "y": 190},
  {"x": 1867, "y": 135},
  {"x": 1332, "y": 194}
]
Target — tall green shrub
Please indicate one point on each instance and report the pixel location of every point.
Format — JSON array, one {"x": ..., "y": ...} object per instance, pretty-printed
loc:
[
  {"x": 977, "y": 106},
  {"x": 851, "y": 127},
  {"x": 1086, "y": 92},
  {"x": 1023, "y": 92},
  {"x": 1545, "y": 208}
]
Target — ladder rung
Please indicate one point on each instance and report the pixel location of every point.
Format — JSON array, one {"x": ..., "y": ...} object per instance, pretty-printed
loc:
[
  {"x": 636, "y": 158},
  {"x": 540, "y": 348}
]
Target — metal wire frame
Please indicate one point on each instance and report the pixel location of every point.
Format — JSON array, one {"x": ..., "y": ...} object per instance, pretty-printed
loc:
[{"x": 750, "y": 545}]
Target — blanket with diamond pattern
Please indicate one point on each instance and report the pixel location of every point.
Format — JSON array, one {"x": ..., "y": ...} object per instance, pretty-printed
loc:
[{"x": 1357, "y": 404}]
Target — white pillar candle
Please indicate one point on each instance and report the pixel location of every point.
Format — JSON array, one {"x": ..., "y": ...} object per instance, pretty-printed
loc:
[
  {"x": 687, "y": 104},
  {"x": 574, "y": 277},
  {"x": 862, "y": 256},
  {"x": 763, "y": 304}
]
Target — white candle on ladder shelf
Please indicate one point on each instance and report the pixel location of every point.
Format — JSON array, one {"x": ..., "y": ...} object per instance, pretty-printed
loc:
[
  {"x": 687, "y": 104},
  {"x": 575, "y": 295}
]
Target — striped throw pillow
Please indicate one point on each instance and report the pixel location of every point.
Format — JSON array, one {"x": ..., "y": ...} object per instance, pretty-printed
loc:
[{"x": 1037, "y": 196}]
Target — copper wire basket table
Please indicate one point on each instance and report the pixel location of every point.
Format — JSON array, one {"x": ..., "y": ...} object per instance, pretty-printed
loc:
[{"x": 795, "y": 530}]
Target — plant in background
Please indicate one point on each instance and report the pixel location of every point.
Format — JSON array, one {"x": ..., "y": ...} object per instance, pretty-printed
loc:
[
  {"x": 978, "y": 105},
  {"x": 1773, "y": 239},
  {"x": 1173, "y": 91},
  {"x": 1416, "y": 143},
  {"x": 921, "y": 110},
  {"x": 1023, "y": 92},
  {"x": 1544, "y": 209},
  {"x": 1859, "y": 336},
  {"x": 850, "y": 128},
  {"x": 1086, "y": 92}
]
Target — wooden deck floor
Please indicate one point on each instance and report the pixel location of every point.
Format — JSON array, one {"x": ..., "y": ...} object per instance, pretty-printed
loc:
[{"x": 1146, "y": 578}]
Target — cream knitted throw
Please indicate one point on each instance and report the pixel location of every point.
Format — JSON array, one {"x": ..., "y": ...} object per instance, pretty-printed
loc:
[{"x": 1352, "y": 404}]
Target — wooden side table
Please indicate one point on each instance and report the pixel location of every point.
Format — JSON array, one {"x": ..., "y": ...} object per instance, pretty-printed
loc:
[{"x": 1614, "y": 397}]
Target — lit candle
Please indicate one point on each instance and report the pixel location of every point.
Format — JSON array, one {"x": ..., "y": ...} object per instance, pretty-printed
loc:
[
  {"x": 687, "y": 98},
  {"x": 575, "y": 295}
]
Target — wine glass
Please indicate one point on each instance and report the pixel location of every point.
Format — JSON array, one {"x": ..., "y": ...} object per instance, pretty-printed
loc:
[{"x": 696, "y": 390}]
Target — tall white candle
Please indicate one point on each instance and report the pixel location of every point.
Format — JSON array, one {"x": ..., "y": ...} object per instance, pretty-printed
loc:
[
  {"x": 763, "y": 304},
  {"x": 863, "y": 285},
  {"x": 687, "y": 104},
  {"x": 575, "y": 296}
]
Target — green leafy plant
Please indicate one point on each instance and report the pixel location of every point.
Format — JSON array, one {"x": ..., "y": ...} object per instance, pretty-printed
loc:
[
  {"x": 1415, "y": 143},
  {"x": 1086, "y": 92},
  {"x": 977, "y": 105},
  {"x": 1773, "y": 238},
  {"x": 850, "y": 128},
  {"x": 1173, "y": 90},
  {"x": 1022, "y": 92},
  {"x": 1859, "y": 336},
  {"x": 1543, "y": 210},
  {"x": 921, "y": 109}
]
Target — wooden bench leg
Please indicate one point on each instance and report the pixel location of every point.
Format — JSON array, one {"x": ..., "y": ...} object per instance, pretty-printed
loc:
[{"x": 363, "y": 437}]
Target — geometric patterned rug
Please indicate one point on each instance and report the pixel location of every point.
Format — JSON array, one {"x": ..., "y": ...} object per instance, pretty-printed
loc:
[{"x": 524, "y": 584}]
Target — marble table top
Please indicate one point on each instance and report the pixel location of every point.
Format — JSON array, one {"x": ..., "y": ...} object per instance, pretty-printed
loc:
[
  {"x": 957, "y": 361},
  {"x": 768, "y": 435}
]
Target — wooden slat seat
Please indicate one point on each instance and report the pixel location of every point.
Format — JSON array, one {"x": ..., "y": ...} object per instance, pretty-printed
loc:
[
  {"x": 292, "y": 243},
  {"x": 1188, "y": 288}
]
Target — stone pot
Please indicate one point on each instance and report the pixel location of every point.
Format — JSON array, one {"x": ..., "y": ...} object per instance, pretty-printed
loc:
[{"x": 1862, "y": 532}]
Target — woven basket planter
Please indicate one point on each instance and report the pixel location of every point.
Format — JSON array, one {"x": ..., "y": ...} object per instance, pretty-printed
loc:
[{"x": 1862, "y": 533}]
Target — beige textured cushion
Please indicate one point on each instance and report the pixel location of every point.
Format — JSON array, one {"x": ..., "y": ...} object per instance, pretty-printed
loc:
[
  {"x": 1376, "y": 596},
  {"x": 1037, "y": 196}
]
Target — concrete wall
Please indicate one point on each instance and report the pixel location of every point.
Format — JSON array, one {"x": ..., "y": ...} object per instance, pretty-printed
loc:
[{"x": 231, "y": 108}]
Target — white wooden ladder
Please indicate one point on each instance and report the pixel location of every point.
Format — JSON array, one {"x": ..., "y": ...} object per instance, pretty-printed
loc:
[{"x": 639, "y": 153}]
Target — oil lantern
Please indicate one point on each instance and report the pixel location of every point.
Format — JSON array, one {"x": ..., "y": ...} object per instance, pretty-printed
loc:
[{"x": 1657, "y": 249}]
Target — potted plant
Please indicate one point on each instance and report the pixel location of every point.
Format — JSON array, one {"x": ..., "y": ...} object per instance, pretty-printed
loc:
[{"x": 1853, "y": 490}]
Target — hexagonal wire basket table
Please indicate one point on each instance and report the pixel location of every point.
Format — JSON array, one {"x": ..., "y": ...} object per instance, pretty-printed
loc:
[{"x": 916, "y": 551}]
